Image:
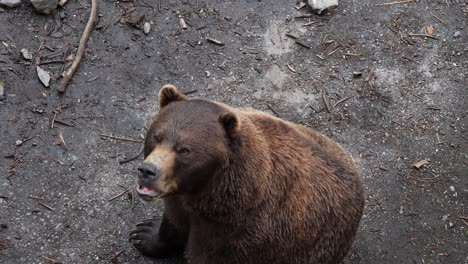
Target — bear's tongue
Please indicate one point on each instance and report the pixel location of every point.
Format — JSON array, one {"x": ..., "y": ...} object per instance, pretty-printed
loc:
[{"x": 146, "y": 191}]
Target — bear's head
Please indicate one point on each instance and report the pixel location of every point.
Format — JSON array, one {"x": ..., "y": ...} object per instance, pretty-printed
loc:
[{"x": 189, "y": 141}]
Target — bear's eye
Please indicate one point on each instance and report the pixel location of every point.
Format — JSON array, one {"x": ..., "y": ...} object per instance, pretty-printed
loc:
[{"x": 183, "y": 151}]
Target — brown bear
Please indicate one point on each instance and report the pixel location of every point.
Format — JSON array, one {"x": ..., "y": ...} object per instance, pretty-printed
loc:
[{"x": 243, "y": 187}]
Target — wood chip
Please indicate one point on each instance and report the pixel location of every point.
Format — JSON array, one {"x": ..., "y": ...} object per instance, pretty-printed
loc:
[
  {"x": 420, "y": 163},
  {"x": 215, "y": 41}
]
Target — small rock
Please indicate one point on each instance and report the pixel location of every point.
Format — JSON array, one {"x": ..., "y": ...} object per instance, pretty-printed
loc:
[
  {"x": 357, "y": 74},
  {"x": 452, "y": 188},
  {"x": 146, "y": 28},
  {"x": 133, "y": 18},
  {"x": 10, "y": 3},
  {"x": 3, "y": 226},
  {"x": 445, "y": 218},
  {"x": 450, "y": 225},
  {"x": 34, "y": 144},
  {"x": 57, "y": 34},
  {"x": 62, "y": 14},
  {"x": 2, "y": 89},
  {"x": 319, "y": 6},
  {"x": 26, "y": 54},
  {"x": 18, "y": 142},
  {"x": 212, "y": 86},
  {"x": 44, "y": 6},
  {"x": 44, "y": 76},
  {"x": 456, "y": 34},
  {"x": 207, "y": 73}
]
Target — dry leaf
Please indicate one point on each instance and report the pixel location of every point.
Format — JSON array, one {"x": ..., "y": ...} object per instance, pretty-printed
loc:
[
  {"x": 421, "y": 163},
  {"x": 429, "y": 30}
]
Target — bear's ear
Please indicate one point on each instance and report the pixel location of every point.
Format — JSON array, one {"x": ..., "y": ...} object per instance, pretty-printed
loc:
[
  {"x": 230, "y": 123},
  {"x": 168, "y": 94}
]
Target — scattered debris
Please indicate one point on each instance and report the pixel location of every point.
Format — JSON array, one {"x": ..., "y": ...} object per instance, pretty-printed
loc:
[
  {"x": 81, "y": 48},
  {"x": 133, "y": 18},
  {"x": 215, "y": 41},
  {"x": 301, "y": 43},
  {"x": 2, "y": 90},
  {"x": 357, "y": 74},
  {"x": 26, "y": 54},
  {"x": 146, "y": 28},
  {"x": 326, "y": 100},
  {"x": 132, "y": 158},
  {"x": 46, "y": 206},
  {"x": 10, "y": 3},
  {"x": 44, "y": 76},
  {"x": 44, "y": 6},
  {"x": 394, "y": 3},
  {"x": 369, "y": 75},
  {"x": 182, "y": 22},
  {"x": 430, "y": 30},
  {"x": 121, "y": 138},
  {"x": 57, "y": 34},
  {"x": 291, "y": 35},
  {"x": 212, "y": 86},
  {"x": 320, "y": 6},
  {"x": 291, "y": 68},
  {"x": 423, "y": 36},
  {"x": 456, "y": 34},
  {"x": 118, "y": 195},
  {"x": 421, "y": 163}
]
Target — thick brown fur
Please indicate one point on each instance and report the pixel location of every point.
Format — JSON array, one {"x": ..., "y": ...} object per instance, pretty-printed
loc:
[{"x": 271, "y": 191}]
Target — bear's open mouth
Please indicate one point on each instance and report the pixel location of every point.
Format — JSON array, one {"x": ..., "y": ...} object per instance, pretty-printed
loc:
[{"x": 148, "y": 193}]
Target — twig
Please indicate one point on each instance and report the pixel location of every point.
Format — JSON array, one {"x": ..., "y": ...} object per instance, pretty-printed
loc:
[
  {"x": 54, "y": 261},
  {"x": 3, "y": 197},
  {"x": 273, "y": 110},
  {"x": 118, "y": 195},
  {"x": 440, "y": 20},
  {"x": 116, "y": 255},
  {"x": 326, "y": 100},
  {"x": 394, "y": 3},
  {"x": 53, "y": 120},
  {"x": 215, "y": 41},
  {"x": 371, "y": 72},
  {"x": 62, "y": 141},
  {"x": 132, "y": 158},
  {"x": 423, "y": 35},
  {"x": 46, "y": 206},
  {"x": 52, "y": 61},
  {"x": 121, "y": 138},
  {"x": 67, "y": 75},
  {"x": 342, "y": 101}
]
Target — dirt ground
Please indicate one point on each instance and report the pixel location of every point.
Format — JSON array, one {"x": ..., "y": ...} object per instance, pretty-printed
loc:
[{"x": 368, "y": 76}]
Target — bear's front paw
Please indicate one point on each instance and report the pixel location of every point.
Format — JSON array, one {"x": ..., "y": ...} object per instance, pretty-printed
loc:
[{"x": 145, "y": 238}]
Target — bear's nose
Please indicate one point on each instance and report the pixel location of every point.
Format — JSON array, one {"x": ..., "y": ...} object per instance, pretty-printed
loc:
[{"x": 148, "y": 171}]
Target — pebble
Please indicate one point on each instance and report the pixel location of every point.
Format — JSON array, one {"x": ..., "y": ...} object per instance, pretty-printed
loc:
[
  {"x": 10, "y": 3},
  {"x": 450, "y": 225},
  {"x": 445, "y": 218},
  {"x": 57, "y": 34},
  {"x": 146, "y": 28},
  {"x": 44, "y": 76},
  {"x": 357, "y": 74},
  {"x": 18, "y": 142},
  {"x": 452, "y": 188},
  {"x": 456, "y": 34},
  {"x": 26, "y": 54}
]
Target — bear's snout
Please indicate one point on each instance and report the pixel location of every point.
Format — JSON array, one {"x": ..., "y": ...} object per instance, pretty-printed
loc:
[{"x": 148, "y": 172}]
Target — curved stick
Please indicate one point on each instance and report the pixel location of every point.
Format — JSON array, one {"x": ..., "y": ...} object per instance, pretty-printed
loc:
[{"x": 67, "y": 75}]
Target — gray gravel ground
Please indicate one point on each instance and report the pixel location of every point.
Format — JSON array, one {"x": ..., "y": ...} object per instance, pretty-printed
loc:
[{"x": 408, "y": 105}]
